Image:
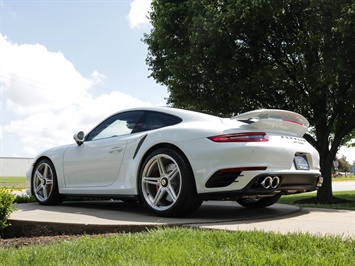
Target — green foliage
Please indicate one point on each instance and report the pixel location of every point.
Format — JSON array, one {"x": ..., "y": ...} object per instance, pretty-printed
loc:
[
  {"x": 24, "y": 199},
  {"x": 6, "y": 207},
  {"x": 251, "y": 54},
  {"x": 176, "y": 246},
  {"x": 296, "y": 55},
  {"x": 344, "y": 165}
]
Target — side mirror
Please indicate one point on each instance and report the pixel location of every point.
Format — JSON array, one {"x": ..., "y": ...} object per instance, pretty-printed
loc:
[{"x": 79, "y": 137}]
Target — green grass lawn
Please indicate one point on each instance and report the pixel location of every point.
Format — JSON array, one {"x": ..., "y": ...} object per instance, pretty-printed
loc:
[
  {"x": 13, "y": 182},
  {"x": 347, "y": 195},
  {"x": 182, "y": 246},
  {"x": 344, "y": 178}
]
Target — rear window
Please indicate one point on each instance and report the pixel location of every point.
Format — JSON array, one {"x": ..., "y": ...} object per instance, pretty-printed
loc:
[{"x": 154, "y": 120}]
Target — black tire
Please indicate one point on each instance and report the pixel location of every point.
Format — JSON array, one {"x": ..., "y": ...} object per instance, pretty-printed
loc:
[
  {"x": 256, "y": 203},
  {"x": 44, "y": 183},
  {"x": 167, "y": 185}
]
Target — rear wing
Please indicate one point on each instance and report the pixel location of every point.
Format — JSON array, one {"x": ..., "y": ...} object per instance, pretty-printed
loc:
[{"x": 276, "y": 120}]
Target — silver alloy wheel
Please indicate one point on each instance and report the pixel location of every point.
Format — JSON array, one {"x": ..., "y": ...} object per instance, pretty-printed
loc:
[
  {"x": 161, "y": 182},
  {"x": 43, "y": 181}
]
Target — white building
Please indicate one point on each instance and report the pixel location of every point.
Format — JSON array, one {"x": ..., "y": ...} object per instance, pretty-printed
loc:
[{"x": 12, "y": 166}]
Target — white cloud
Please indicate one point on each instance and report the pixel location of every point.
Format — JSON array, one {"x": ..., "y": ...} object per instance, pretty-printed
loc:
[
  {"x": 46, "y": 99},
  {"x": 97, "y": 77},
  {"x": 34, "y": 79},
  {"x": 138, "y": 13}
]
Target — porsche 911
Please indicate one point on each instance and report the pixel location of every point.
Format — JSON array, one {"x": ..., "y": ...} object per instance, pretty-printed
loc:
[{"x": 173, "y": 159}]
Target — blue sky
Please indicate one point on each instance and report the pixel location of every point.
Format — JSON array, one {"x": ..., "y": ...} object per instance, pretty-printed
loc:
[
  {"x": 92, "y": 35},
  {"x": 66, "y": 65}
]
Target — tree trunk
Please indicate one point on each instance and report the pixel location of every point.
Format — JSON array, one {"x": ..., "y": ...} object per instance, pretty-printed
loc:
[{"x": 324, "y": 193}]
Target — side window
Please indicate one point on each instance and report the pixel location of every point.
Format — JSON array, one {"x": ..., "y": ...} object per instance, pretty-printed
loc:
[
  {"x": 156, "y": 120},
  {"x": 116, "y": 125}
]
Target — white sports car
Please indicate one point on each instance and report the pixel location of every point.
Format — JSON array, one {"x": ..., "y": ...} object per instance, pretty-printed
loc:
[{"x": 173, "y": 159}]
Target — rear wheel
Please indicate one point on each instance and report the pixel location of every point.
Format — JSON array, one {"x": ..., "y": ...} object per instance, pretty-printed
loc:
[
  {"x": 45, "y": 185},
  {"x": 255, "y": 203},
  {"x": 167, "y": 184}
]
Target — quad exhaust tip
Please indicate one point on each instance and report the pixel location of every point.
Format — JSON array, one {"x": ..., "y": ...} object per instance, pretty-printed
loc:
[
  {"x": 270, "y": 182},
  {"x": 320, "y": 181}
]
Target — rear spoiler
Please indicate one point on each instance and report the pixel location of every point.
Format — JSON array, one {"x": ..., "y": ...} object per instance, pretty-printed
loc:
[{"x": 274, "y": 119}]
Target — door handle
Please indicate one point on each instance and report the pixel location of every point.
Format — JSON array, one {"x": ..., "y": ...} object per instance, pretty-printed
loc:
[{"x": 116, "y": 149}]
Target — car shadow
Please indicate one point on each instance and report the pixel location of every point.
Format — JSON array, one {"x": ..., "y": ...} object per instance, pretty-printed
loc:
[{"x": 116, "y": 212}]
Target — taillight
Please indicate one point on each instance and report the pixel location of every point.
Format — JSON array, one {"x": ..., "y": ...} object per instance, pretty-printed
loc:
[{"x": 241, "y": 137}]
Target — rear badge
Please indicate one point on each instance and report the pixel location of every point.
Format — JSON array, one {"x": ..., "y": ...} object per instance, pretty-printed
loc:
[{"x": 301, "y": 162}]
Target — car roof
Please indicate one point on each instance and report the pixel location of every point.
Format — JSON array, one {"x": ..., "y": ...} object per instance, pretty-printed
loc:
[{"x": 186, "y": 115}]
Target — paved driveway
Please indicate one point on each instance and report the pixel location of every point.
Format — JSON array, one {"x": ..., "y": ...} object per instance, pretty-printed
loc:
[
  {"x": 343, "y": 186},
  {"x": 314, "y": 221},
  {"x": 116, "y": 216}
]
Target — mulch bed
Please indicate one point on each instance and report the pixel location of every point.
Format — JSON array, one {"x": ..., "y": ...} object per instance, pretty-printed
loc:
[
  {"x": 20, "y": 234},
  {"x": 315, "y": 200},
  {"x": 18, "y": 242}
]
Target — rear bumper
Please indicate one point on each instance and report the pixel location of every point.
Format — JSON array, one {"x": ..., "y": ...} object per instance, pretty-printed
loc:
[{"x": 286, "y": 184}]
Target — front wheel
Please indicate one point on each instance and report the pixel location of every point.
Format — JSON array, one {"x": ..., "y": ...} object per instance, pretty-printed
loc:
[
  {"x": 254, "y": 203},
  {"x": 45, "y": 185},
  {"x": 167, "y": 185}
]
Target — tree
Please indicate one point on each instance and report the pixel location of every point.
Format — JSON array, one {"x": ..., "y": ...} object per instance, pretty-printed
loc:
[
  {"x": 343, "y": 164},
  {"x": 231, "y": 56}
]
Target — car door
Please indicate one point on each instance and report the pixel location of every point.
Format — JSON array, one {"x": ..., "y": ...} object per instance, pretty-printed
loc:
[{"x": 96, "y": 163}]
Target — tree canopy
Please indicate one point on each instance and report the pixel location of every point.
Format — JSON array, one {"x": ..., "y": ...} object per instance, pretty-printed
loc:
[{"x": 231, "y": 56}]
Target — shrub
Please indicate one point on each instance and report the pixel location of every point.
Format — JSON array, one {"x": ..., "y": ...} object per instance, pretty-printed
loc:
[
  {"x": 24, "y": 199},
  {"x": 7, "y": 200}
]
